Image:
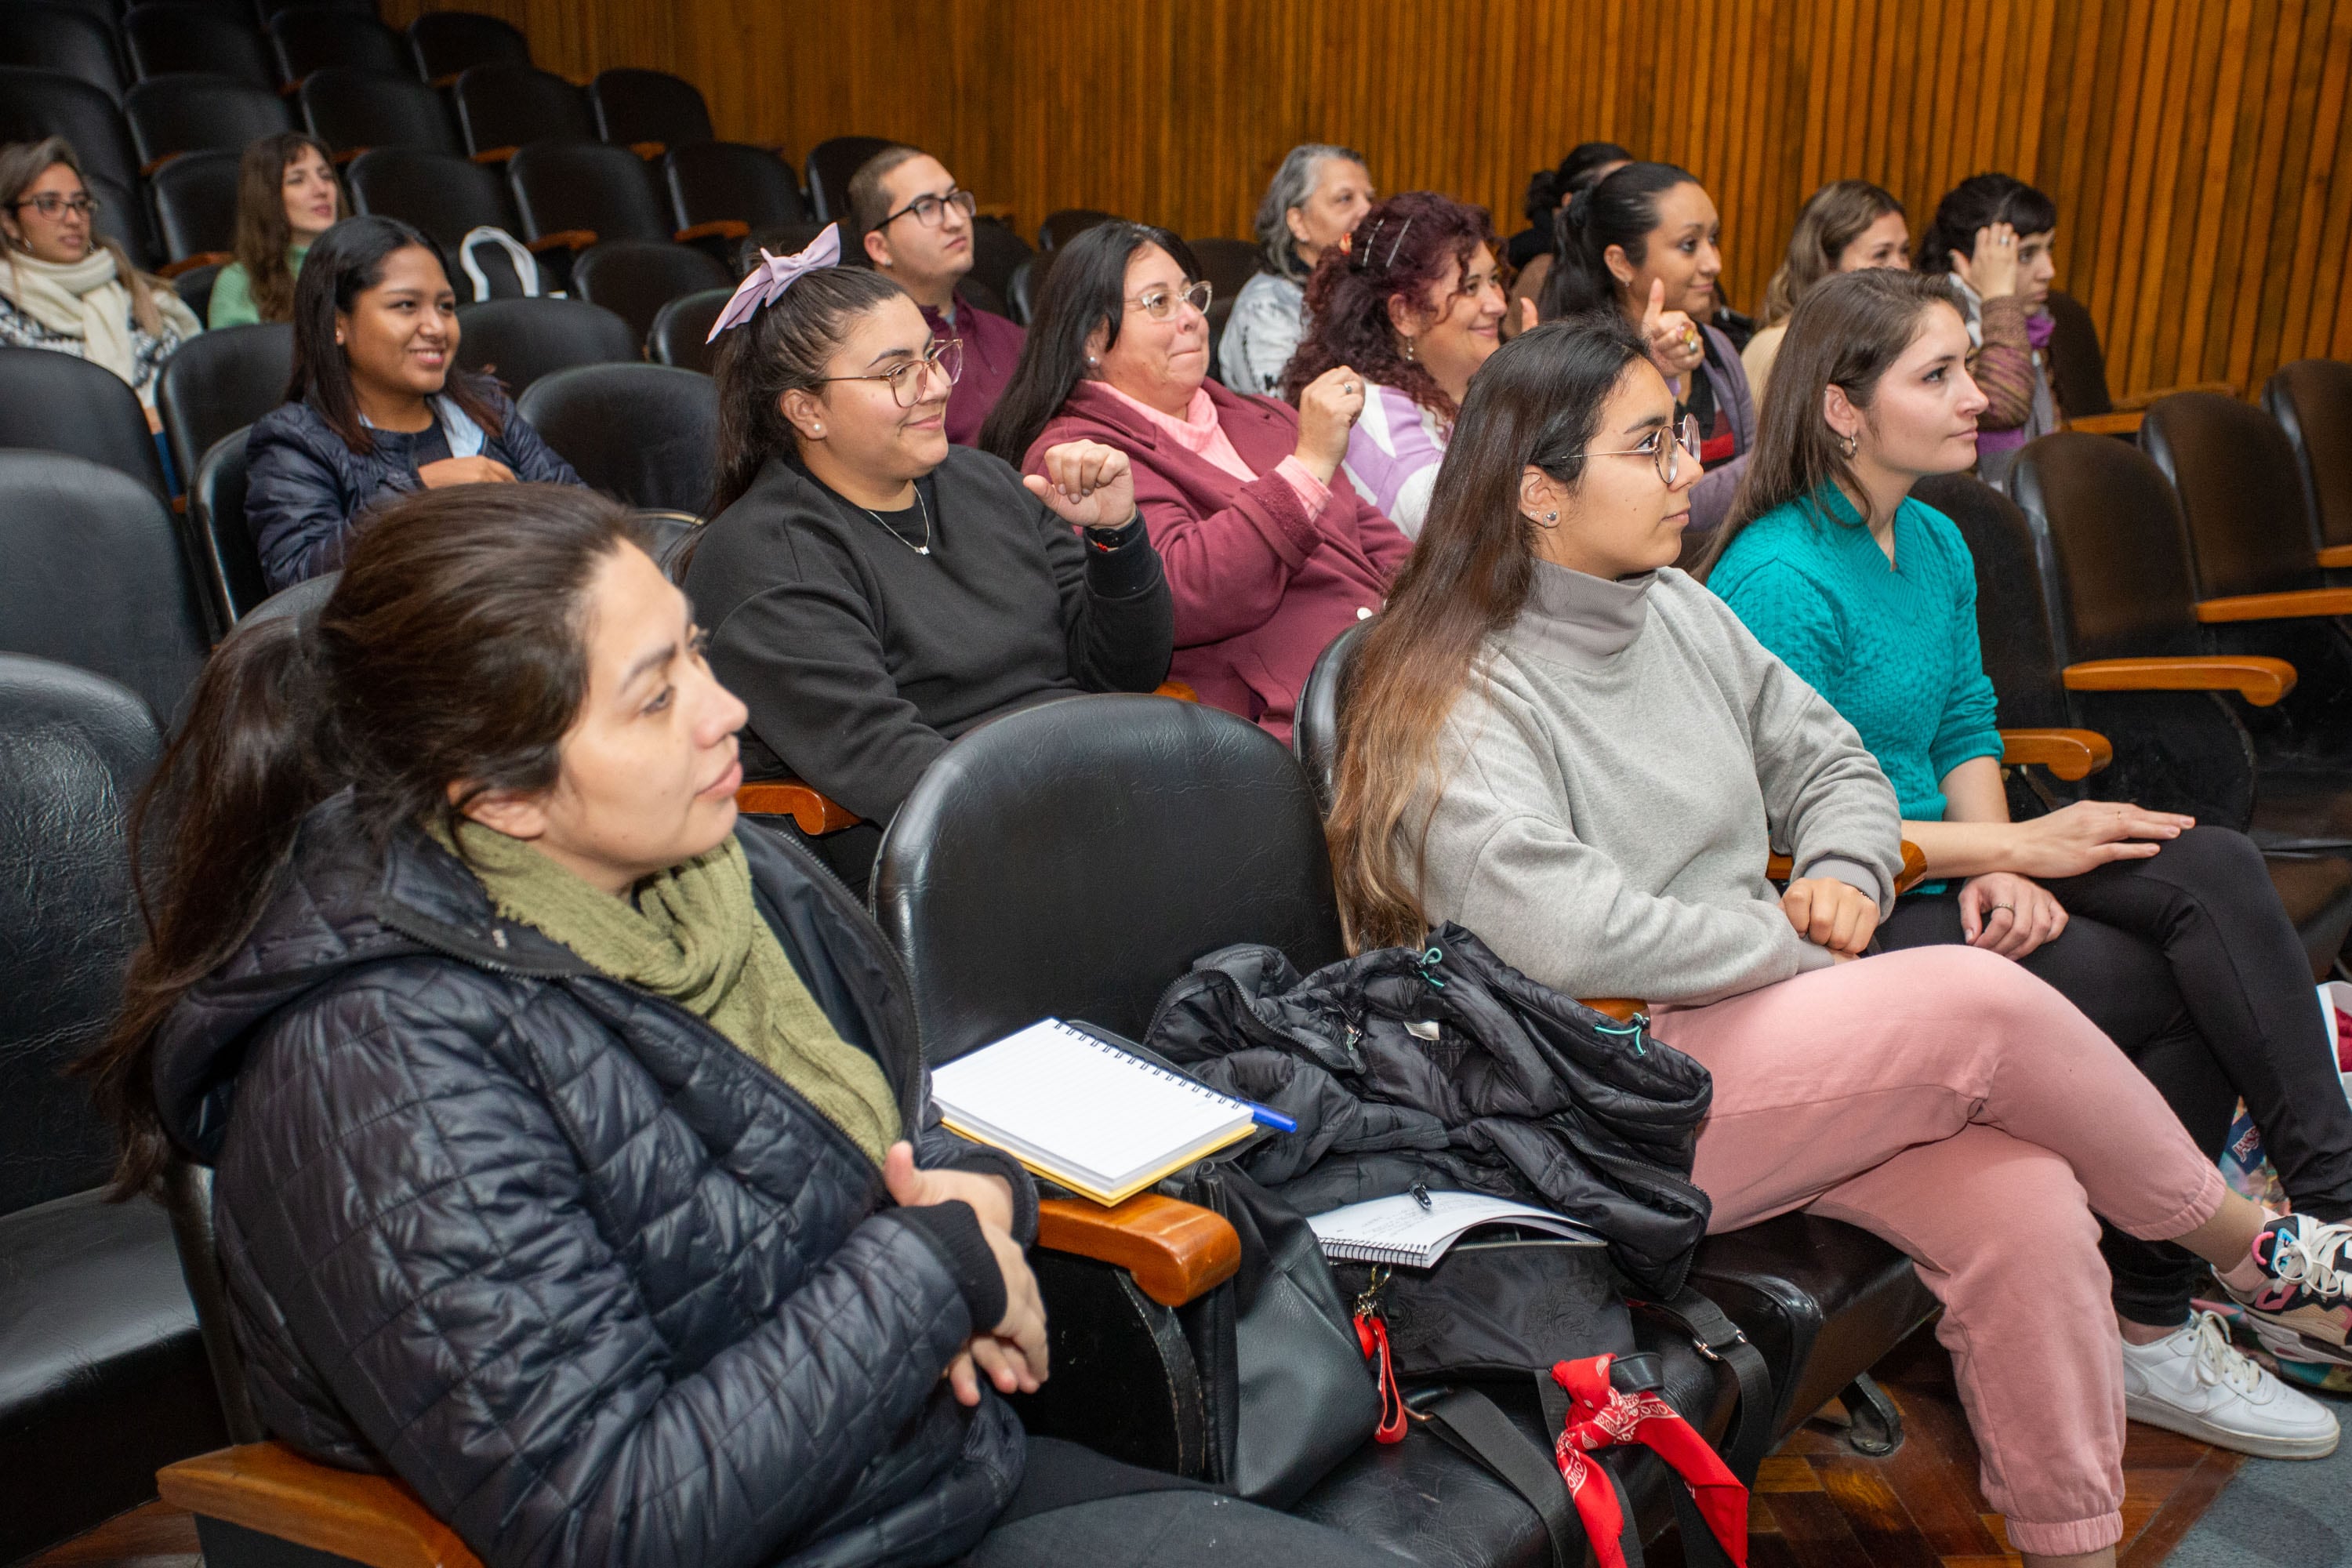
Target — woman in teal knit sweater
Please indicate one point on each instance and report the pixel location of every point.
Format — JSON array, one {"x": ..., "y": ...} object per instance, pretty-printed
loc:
[{"x": 2168, "y": 935}]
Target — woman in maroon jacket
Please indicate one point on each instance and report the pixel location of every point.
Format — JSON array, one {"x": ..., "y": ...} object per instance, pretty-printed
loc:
[{"x": 1268, "y": 554}]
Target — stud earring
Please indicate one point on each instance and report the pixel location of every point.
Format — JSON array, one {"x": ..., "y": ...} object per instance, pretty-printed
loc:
[
  {"x": 1551, "y": 517},
  {"x": 1408, "y": 355},
  {"x": 1846, "y": 443},
  {"x": 1092, "y": 362}
]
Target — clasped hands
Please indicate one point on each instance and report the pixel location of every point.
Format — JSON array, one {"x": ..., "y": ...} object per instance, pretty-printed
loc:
[{"x": 1012, "y": 1354}]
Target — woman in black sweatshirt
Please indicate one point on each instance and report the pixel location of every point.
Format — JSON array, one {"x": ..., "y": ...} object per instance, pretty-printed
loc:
[{"x": 872, "y": 592}]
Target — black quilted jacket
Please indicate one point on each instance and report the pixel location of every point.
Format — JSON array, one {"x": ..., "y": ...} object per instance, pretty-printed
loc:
[{"x": 598, "y": 1287}]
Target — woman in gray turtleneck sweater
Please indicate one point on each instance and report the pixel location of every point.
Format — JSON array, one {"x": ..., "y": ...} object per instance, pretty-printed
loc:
[{"x": 1555, "y": 739}]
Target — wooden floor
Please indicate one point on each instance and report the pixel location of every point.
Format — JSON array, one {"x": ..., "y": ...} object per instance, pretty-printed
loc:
[{"x": 1817, "y": 1504}]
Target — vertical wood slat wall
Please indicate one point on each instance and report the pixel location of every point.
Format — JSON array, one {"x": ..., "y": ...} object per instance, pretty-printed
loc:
[{"x": 2199, "y": 150}]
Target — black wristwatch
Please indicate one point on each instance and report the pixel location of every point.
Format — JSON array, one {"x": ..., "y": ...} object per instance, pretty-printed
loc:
[{"x": 1110, "y": 539}]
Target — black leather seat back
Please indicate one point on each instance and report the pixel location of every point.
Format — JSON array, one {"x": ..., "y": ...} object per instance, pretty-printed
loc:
[
  {"x": 225, "y": 547},
  {"x": 518, "y": 340},
  {"x": 311, "y": 37},
  {"x": 349, "y": 110},
  {"x": 2014, "y": 630},
  {"x": 513, "y": 105},
  {"x": 679, "y": 328},
  {"x": 219, "y": 382},
  {"x": 709, "y": 181},
  {"x": 634, "y": 278},
  {"x": 54, "y": 39},
  {"x": 830, "y": 164},
  {"x": 194, "y": 288},
  {"x": 442, "y": 193},
  {"x": 1061, "y": 227},
  {"x": 39, "y": 104},
  {"x": 75, "y": 750},
  {"x": 170, "y": 114},
  {"x": 96, "y": 576},
  {"x": 53, "y": 402},
  {"x": 168, "y": 37},
  {"x": 123, "y": 217},
  {"x": 2078, "y": 365},
  {"x": 996, "y": 252},
  {"x": 645, "y": 433},
  {"x": 606, "y": 190},
  {"x": 2110, "y": 525},
  {"x": 195, "y": 203},
  {"x": 447, "y": 42},
  {"x": 1315, "y": 726},
  {"x": 634, "y": 107},
  {"x": 2240, "y": 491},
  {"x": 300, "y": 599},
  {"x": 2312, "y": 401},
  {"x": 1074, "y": 858}
]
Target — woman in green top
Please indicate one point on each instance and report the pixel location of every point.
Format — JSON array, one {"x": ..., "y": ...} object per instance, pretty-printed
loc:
[
  {"x": 2168, "y": 935},
  {"x": 287, "y": 197}
]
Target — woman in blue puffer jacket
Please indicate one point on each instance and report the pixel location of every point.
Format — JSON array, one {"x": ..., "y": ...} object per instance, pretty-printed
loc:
[{"x": 377, "y": 408}]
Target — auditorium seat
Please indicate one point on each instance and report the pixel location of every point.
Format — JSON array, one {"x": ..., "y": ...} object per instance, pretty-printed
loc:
[
  {"x": 1028, "y": 278},
  {"x": 1060, "y": 227},
  {"x": 269, "y": 9},
  {"x": 306, "y": 39},
  {"x": 219, "y": 382},
  {"x": 225, "y": 557},
  {"x": 996, "y": 251},
  {"x": 39, "y": 104},
  {"x": 166, "y": 37},
  {"x": 679, "y": 328},
  {"x": 1225, "y": 266},
  {"x": 645, "y": 433},
  {"x": 53, "y": 38},
  {"x": 518, "y": 340},
  {"x": 353, "y": 111},
  {"x": 726, "y": 189},
  {"x": 503, "y": 106},
  {"x": 53, "y": 402},
  {"x": 2115, "y": 573},
  {"x": 635, "y": 278},
  {"x": 443, "y": 194},
  {"x": 830, "y": 164},
  {"x": 784, "y": 239},
  {"x": 589, "y": 190},
  {"x": 2168, "y": 750},
  {"x": 189, "y": 114},
  {"x": 195, "y": 286},
  {"x": 2312, "y": 401},
  {"x": 651, "y": 112},
  {"x": 195, "y": 207},
  {"x": 102, "y": 1374},
  {"x": 445, "y": 43},
  {"x": 2078, "y": 374}
]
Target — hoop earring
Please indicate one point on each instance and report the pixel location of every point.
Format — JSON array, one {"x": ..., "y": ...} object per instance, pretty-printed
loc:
[{"x": 1847, "y": 444}]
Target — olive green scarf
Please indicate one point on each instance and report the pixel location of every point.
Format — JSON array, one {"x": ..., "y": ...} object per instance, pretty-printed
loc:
[{"x": 695, "y": 937}]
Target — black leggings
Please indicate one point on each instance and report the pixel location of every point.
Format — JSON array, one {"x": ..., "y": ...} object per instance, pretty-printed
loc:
[{"x": 2189, "y": 963}]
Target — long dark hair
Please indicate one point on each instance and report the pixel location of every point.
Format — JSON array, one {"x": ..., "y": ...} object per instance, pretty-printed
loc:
[
  {"x": 1621, "y": 210},
  {"x": 1087, "y": 288},
  {"x": 1547, "y": 188},
  {"x": 1537, "y": 401},
  {"x": 1846, "y": 331},
  {"x": 262, "y": 235},
  {"x": 1404, "y": 244},
  {"x": 1831, "y": 219},
  {"x": 1976, "y": 203},
  {"x": 783, "y": 348},
  {"x": 454, "y": 648},
  {"x": 347, "y": 261}
]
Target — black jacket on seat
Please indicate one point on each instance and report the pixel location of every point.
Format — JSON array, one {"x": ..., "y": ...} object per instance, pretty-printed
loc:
[{"x": 596, "y": 1284}]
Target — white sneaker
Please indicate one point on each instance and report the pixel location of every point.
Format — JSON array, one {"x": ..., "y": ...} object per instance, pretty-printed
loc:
[{"x": 2198, "y": 1383}]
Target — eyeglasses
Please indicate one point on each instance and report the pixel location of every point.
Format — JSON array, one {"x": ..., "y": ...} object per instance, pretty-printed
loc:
[
  {"x": 1161, "y": 303},
  {"x": 931, "y": 211},
  {"x": 910, "y": 381},
  {"x": 48, "y": 204},
  {"x": 1664, "y": 449}
]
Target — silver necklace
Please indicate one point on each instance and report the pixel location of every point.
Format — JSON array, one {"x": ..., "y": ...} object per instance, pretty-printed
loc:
[{"x": 922, "y": 549}]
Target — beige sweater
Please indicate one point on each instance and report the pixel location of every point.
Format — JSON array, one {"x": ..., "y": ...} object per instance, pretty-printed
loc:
[{"x": 1610, "y": 793}]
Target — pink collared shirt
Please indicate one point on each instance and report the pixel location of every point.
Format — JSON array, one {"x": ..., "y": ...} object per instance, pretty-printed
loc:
[{"x": 1198, "y": 433}]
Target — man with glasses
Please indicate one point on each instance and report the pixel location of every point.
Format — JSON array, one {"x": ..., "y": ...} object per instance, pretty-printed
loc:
[{"x": 918, "y": 229}]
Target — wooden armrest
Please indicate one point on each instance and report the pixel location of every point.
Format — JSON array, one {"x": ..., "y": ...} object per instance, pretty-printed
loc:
[
  {"x": 2301, "y": 604},
  {"x": 147, "y": 170},
  {"x": 2337, "y": 555},
  {"x": 724, "y": 228},
  {"x": 2117, "y": 424},
  {"x": 494, "y": 154},
  {"x": 347, "y": 154},
  {"x": 270, "y": 1490},
  {"x": 2070, "y": 753},
  {"x": 649, "y": 149},
  {"x": 1177, "y": 1251},
  {"x": 813, "y": 813},
  {"x": 562, "y": 238},
  {"x": 190, "y": 263},
  {"x": 2140, "y": 400},
  {"x": 2260, "y": 681},
  {"x": 1781, "y": 868},
  {"x": 1178, "y": 690},
  {"x": 1620, "y": 1008}
]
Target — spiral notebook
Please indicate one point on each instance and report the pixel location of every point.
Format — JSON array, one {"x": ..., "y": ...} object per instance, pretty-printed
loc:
[
  {"x": 1080, "y": 1111},
  {"x": 1406, "y": 1230}
]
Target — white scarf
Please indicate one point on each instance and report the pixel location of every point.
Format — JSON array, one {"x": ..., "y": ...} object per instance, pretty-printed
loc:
[{"x": 86, "y": 300}]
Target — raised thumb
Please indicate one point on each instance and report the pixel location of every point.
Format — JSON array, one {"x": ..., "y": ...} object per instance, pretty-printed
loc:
[{"x": 1657, "y": 298}]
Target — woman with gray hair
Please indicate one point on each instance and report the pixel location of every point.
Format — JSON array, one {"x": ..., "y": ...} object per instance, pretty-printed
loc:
[{"x": 1318, "y": 197}]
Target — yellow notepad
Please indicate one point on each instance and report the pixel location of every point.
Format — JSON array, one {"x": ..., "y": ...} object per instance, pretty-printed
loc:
[{"x": 1080, "y": 1111}]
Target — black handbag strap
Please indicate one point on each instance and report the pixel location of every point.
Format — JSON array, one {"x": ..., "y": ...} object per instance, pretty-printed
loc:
[
  {"x": 1718, "y": 1339},
  {"x": 1474, "y": 1424}
]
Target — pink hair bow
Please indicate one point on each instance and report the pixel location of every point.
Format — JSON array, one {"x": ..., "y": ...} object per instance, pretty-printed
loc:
[{"x": 768, "y": 281}]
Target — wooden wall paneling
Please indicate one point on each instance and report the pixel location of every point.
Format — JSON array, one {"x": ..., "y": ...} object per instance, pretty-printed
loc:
[
  {"x": 2329, "y": 163},
  {"x": 2212, "y": 189}
]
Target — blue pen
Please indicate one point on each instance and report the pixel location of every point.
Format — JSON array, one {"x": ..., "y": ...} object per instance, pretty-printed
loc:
[{"x": 1265, "y": 1116}]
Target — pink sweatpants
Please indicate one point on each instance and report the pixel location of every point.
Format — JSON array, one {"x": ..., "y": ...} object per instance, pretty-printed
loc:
[{"x": 1949, "y": 1101}]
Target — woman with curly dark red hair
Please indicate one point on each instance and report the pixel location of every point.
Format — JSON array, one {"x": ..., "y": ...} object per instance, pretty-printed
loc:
[{"x": 1414, "y": 302}]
